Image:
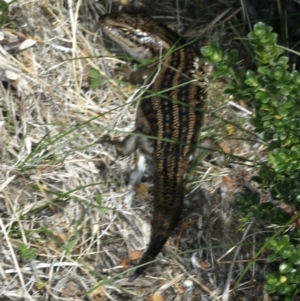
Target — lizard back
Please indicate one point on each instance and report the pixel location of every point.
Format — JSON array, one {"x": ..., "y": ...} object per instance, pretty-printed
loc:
[{"x": 170, "y": 111}]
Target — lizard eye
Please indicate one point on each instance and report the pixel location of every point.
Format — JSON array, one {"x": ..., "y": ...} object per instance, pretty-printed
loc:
[{"x": 125, "y": 29}]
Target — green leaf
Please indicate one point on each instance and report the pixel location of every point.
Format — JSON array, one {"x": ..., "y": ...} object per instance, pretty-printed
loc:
[
  {"x": 212, "y": 52},
  {"x": 270, "y": 288},
  {"x": 261, "y": 31},
  {"x": 286, "y": 288},
  {"x": 251, "y": 79},
  {"x": 272, "y": 279},
  {"x": 262, "y": 95},
  {"x": 27, "y": 253},
  {"x": 296, "y": 79},
  {"x": 283, "y": 61},
  {"x": 278, "y": 73},
  {"x": 285, "y": 268},
  {"x": 94, "y": 78},
  {"x": 263, "y": 70},
  {"x": 223, "y": 66},
  {"x": 283, "y": 111},
  {"x": 286, "y": 89},
  {"x": 273, "y": 244},
  {"x": 295, "y": 259}
]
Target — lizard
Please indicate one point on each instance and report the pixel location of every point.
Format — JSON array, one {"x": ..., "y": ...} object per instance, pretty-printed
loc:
[{"x": 171, "y": 113}]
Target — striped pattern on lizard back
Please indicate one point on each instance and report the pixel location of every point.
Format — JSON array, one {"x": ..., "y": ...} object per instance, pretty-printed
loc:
[{"x": 171, "y": 111}]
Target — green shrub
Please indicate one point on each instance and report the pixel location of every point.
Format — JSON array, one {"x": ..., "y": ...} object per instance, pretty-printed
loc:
[{"x": 274, "y": 93}]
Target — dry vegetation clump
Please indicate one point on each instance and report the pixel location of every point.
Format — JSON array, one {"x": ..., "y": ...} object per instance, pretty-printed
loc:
[{"x": 71, "y": 213}]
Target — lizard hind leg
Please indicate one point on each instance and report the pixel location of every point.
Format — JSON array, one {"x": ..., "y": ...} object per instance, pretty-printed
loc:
[{"x": 130, "y": 144}]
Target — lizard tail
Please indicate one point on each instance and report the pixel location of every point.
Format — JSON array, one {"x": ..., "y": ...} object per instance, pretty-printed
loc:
[{"x": 167, "y": 210}]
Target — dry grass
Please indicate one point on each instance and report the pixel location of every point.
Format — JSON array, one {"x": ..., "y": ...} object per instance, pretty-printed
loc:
[{"x": 69, "y": 219}]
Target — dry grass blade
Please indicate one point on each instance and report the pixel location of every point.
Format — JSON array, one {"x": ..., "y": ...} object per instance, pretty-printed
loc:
[{"x": 70, "y": 212}]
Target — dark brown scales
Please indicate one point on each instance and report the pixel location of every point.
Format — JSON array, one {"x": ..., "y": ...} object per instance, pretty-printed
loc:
[{"x": 171, "y": 111}]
